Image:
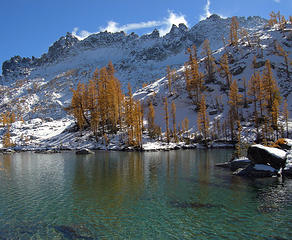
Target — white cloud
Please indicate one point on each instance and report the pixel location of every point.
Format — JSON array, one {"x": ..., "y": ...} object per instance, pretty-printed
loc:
[
  {"x": 80, "y": 34},
  {"x": 173, "y": 18},
  {"x": 114, "y": 26},
  {"x": 207, "y": 11},
  {"x": 277, "y": 1},
  {"x": 164, "y": 26}
]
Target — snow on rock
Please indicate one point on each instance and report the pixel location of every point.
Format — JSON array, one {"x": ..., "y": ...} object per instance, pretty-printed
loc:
[
  {"x": 242, "y": 159},
  {"x": 260, "y": 154},
  {"x": 273, "y": 151}
]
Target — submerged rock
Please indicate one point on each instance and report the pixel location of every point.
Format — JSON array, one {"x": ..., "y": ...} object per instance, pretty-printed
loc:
[
  {"x": 223, "y": 165},
  {"x": 239, "y": 163},
  {"x": 235, "y": 164},
  {"x": 260, "y": 154},
  {"x": 84, "y": 151},
  {"x": 178, "y": 204},
  {"x": 256, "y": 171},
  {"x": 70, "y": 233}
]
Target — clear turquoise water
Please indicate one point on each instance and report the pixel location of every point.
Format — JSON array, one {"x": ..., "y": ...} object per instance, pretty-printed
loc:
[{"x": 154, "y": 195}]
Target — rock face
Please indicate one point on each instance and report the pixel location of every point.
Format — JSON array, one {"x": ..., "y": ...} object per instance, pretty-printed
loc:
[{"x": 260, "y": 154}]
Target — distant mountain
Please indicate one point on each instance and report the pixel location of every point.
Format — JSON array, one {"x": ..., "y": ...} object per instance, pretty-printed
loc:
[
  {"x": 136, "y": 59},
  {"x": 40, "y": 88}
]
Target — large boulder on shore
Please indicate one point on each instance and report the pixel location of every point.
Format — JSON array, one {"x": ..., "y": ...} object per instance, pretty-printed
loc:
[{"x": 260, "y": 154}]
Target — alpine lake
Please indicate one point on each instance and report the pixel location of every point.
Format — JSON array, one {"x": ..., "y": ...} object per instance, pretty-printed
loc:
[{"x": 138, "y": 195}]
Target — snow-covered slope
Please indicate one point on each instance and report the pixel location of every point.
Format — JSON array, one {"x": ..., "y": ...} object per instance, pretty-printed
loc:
[
  {"x": 40, "y": 87},
  {"x": 263, "y": 47},
  {"x": 46, "y": 81}
]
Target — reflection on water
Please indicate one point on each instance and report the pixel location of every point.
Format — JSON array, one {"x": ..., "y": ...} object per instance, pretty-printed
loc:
[{"x": 151, "y": 195}]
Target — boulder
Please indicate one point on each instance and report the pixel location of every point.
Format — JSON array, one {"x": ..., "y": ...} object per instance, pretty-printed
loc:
[
  {"x": 84, "y": 151},
  {"x": 256, "y": 171},
  {"x": 259, "y": 154},
  {"x": 239, "y": 163}
]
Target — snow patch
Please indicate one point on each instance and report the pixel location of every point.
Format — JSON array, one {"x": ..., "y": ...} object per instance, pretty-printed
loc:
[{"x": 273, "y": 151}]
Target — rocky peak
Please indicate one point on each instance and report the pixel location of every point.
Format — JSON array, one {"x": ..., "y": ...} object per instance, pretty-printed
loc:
[
  {"x": 61, "y": 46},
  {"x": 214, "y": 17},
  {"x": 14, "y": 64},
  {"x": 183, "y": 27},
  {"x": 105, "y": 39},
  {"x": 155, "y": 34},
  {"x": 177, "y": 32}
]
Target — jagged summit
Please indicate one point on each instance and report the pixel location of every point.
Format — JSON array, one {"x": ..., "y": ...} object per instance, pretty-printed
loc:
[
  {"x": 151, "y": 46},
  {"x": 155, "y": 34},
  {"x": 214, "y": 17}
]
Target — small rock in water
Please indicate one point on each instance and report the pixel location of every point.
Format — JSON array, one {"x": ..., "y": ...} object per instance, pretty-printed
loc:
[
  {"x": 84, "y": 151},
  {"x": 239, "y": 163}
]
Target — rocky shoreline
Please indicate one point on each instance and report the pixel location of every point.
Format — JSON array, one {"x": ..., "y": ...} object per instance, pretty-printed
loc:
[
  {"x": 147, "y": 147},
  {"x": 263, "y": 161}
]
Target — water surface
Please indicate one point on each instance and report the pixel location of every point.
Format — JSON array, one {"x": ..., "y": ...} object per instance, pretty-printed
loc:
[{"x": 129, "y": 195}]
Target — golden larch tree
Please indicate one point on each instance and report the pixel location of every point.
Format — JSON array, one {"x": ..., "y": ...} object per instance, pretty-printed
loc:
[
  {"x": 233, "y": 35},
  {"x": 270, "y": 86},
  {"x": 151, "y": 123},
  {"x": 166, "y": 117},
  {"x": 284, "y": 54},
  {"x": 173, "y": 114},
  {"x": 202, "y": 119},
  {"x": 209, "y": 62},
  {"x": 234, "y": 99},
  {"x": 224, "y": 69}
]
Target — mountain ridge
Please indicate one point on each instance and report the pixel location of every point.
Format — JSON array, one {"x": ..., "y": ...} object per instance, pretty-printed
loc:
[{"x": 156, "y": 47}]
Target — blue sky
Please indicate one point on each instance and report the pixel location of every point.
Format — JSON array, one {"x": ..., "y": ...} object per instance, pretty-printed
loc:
[{"x": 29, "y": 27}]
